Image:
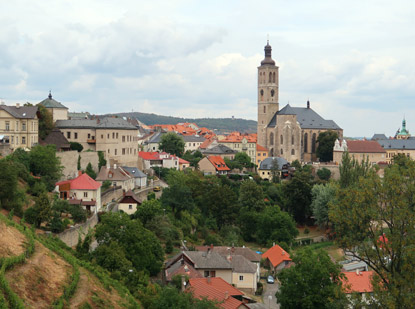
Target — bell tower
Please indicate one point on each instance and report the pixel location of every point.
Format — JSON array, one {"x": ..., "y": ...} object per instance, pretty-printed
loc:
[{"x": 267, "y": 94}]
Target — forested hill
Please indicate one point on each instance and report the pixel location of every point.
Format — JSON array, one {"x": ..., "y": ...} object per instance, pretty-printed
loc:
[{"x": 221, "y": 124}]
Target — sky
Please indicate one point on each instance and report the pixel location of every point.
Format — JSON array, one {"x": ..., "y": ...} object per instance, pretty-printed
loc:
[{"x": 354, "y": 60}]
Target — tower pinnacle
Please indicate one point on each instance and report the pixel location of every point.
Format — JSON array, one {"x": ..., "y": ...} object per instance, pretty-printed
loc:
[{"x": 268, "y": 52}]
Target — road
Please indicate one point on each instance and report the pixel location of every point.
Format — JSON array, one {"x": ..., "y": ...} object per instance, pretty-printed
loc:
[{"x": 268, "y": 296}]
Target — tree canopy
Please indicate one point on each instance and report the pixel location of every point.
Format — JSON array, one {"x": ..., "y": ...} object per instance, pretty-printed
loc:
[
  {"x": 45, "y": 121},
  {"x": 322, "y": 196},
  {"x": 325, "y": 146},
  {"x": 172, "y": 143}
]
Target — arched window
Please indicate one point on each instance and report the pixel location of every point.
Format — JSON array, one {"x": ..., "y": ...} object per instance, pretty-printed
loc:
[
  {"x": 281, "y": 139},
  {"x": 265, "y": 109},
  {"x": 272, "y": 92},
  {"x": 271, "y": 153},
  {"x": 262, "y": 92},
  {"x": 313, "y": 143},
  {"x": 273, "y": 77},
  {"x": 282, "y": 151},
  {"x": 292, "y": 152},
  {"x": 292, "y": 139},
  {"x": 271, "y": 138},
  {"x": 270, "y": 77},
  {"x": 305, "y": 142}
]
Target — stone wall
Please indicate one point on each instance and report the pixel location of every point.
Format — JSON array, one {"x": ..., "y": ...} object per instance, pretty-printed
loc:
[
  {"x": 69, "y": 161},
  {"x": 110, "y": 195},
  {"x": 70, "y": 236},
  {"x": 334, "y": 169}
]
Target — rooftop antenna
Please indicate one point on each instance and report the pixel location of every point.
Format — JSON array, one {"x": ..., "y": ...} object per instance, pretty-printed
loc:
[{"x": 267, "y": 38}]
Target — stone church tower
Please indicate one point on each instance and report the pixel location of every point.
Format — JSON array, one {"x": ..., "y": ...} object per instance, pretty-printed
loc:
[{"x": 268, "y": 103}]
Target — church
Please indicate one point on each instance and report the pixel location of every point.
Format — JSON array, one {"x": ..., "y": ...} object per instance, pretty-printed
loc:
[{"x": 290, "y": 132}]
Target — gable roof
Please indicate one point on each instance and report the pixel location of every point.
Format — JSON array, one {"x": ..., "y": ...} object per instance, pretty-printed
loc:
[
  {"x": 56, "y": 138},
  {"x": 130, "y": 195},
  {"x": 218, "y": 163},
  {"x": 266, "y": 164},
  {"x": 134, "y": 172},
  {"x": 104, "y": 123},
  {"x": 378, "y": 136},
  {"x": 82, "y": 182},
  {"x": 240, "y": 264},
  {"x": 276, "y": 255},
  {"x": 218, "y": 150},
  {"x": 260, "y": 148},
  {"x": 116, "y": 174},
  {"x": 216, "y": 289},
  {"x": 211, "y": 260},
  {"x": 359, "y": 281},
  {"x": 248, "y": 253},
  {"x": 49, "y": 102},
  {"x": 21, "y": 112},
  {"x": 364, "y": 146},
  {"x": 182, "y": 267},
  {"x": 306, "y": 117}
]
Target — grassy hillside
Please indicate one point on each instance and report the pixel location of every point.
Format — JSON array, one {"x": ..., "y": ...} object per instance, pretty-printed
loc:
[
  {"x": 40, "y": 272},
  {"x": 220, "y": 124}
]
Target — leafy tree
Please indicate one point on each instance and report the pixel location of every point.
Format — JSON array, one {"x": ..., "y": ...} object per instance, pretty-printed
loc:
[
  {"x": 275, "y": 170},
  {"x": 251, "y": 196},
  {"x": 171, "y": 297},
  {"x": 76, "y": 146},
  {"x": 243, "y": 159},
  {"x": 101, "y": 160},
  {"x": 45, "y": 163},
  {"x": 298, "y": 195},
  {"x": 8, "y": 184},
  {"x": 325, "y": 146},
  {"x": 275, "y": 225},
  {"x": 45, "y": 121},
  {"x": 322, "y": 196},
  {"x": 313, "y": 282},
  {"x": 193, "y": 157},
  {"x": 148, "y": 210},
  {"x": 141, "y": 246},
  {"x": 90, "y": 171},
  {"x": 350, "y": 170},
  {"x": 275, "y": 194},
  {"x": 374, "y": 220},
  {"x": 172, "y": 143},
  {"x": 79, "y": 163},
  {"x": 42, "y": 209},
  {"x": 324, "y": 174}
]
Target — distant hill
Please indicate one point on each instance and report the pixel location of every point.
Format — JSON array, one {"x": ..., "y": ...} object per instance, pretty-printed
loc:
[{"x": 220, "y": 124}]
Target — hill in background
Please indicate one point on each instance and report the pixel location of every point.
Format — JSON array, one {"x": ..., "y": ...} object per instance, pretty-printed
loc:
[{"x": 220, "y": 124}]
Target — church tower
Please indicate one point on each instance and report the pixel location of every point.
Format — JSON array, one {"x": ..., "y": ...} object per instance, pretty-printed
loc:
[{"x": 267, "y": 94}]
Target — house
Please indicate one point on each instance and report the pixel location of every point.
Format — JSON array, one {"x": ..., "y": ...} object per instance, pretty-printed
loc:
[
  {"x": 117, "y": 176},
  {"x": 246, "y": 252},
  {"x": 140, "y": 179},
  {"x": 276, "y": 258},
  {"x": 151, "y": 159},
  {"x": 115, "y": 137},
  {"x": 129, "y": 202},
  {"x": 183, "y": 164},
  {"x": 56, "y": 137},
  {"x": 394, "y": 147},
  {"x": 216, "y": 149},
  {"x": 56, "y": 109},
  {"x": 82, "y": 190},
  {"x": 359, "y": 282},
  {"x": 265, "y": 169},
  {"x": 213, "y": 165},
  {"x": 19, "y": 125},
  {"x": 217, "y": 289},
  {"x": 191, "y": 142},
  {"x": 241, "y": 143},
  {"x": 359, "y": 150},
  {"x": 244, "y": 273},
  {"x": 261, "y": 154}
]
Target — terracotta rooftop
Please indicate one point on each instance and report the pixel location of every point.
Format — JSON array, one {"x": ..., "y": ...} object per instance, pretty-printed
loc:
[
  {"x": 82, "y": 182},
  {"x": 364, "y": 147},
  {"x": 218, "y": 163},
  {"x": 276, "y": 255},
  {"x": 359, "y": 281},
  {"x": 260, "y": 148}
]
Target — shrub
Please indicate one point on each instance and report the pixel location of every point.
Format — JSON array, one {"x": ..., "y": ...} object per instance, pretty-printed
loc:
[{"x": 76, "y": 146}]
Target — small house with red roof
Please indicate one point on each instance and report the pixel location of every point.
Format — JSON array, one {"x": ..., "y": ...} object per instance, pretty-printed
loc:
[
  {"x": 359, "y": 282},
  {"x": 213, "y": 165},
  {"x": 82, "y": 190},
  {"x": 217, "y": 289},
  {"x": 276, "y": 258},
  {"x": 359, "y": 150},
  {"x": 149, "y": 159}
]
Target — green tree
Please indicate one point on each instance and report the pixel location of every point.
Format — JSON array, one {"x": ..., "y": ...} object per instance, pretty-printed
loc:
[
  {"x": 251, "y": 196},
  {"x": 374, "y": 221},
  {"x": 76, "y": 146},
  {"x": 148, "y": 210},
  {"x": 45, "y": 121},
  {"x": 43, "y": 209},
  {"x": 322, "y": 196},
  {"x": 275, "y": 225},
  {"x": 90, "y": 171},
  {"x": 350, "y": 170},
  {"x": 101, "y": 160},
  {"x": 172, "y": 143},
  {"x": 45, "y": 163},
  {"x": 243, "y": 159},
  {"x": 8, "y": 184},
  {"x": 313, "y": 282},
  {"x": 324, "y": 174},
  {"x": 325, "y": 146},
  {"x": 275, "y": 171},
  {"x": 193, "y": 157}
]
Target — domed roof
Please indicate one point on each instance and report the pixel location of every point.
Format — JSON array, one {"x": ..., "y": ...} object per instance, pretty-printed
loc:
[
  {"x": 49, "y": 102},
  {"x": 268, "y": 59}
]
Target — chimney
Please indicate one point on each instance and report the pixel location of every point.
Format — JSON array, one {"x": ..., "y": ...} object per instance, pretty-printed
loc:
[
  {"x": 79, "y": 173},
  {"x": 357, "y": 272},
  {"x": 208, "y": 279},
  {"x": 308, "y": 103},
  {"x": 273, "y": 244},
  {"x": 226, "y": 295},
  {"x": 115, "y": 166},
  {"x": 17, "y": 105},
  {"x": 233, "y": 248},
  {"x": 123, "y": 192},
  {"x": 211, "y": 246}
]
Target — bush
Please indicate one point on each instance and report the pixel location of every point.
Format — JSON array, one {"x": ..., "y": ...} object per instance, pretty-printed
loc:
[
  {"x": 259, "y": 288},
  {"x": 76, "y": 146},
  {"x": 105, "y": 185},
  {"x": 306, "y": 231},
  {"x": 169, "y": 246}
]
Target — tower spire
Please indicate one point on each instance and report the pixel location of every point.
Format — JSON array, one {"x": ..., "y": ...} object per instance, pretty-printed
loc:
[{"x": 268, "y": 55}]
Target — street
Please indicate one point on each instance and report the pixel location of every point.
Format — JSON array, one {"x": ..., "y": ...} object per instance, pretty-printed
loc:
[{"x": 269, "y": 295}]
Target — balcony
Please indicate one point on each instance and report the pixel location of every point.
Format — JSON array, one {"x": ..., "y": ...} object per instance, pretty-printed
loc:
[{"x": 91, "y": 141}]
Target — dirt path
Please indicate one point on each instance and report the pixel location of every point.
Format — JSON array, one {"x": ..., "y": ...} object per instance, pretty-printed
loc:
[
  {"x": 41, "y": 280},
  {"x": 12, "y": 242}
]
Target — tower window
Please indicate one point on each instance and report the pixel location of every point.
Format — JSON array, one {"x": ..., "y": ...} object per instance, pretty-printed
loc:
[
  {"x": 281, "y": 140},
  {"x": 270, "y": 77},
  {"x": 292, "y": 139},
  {"x": 313, "y": 143},
  {"x": 272, "y": 92},
  {"x": 273, "y": 77},
  {"x": 306, "y": 142},
  {"x": 265, "y": 109},
  {"x": 292, "y": 152},
  {"x": 262, "y": 92},
  {"x": 282, "y": 151},
  {"x": 271, "y": 138}
]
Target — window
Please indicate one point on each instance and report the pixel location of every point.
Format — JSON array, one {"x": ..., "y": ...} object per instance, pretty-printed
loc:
[
  {"x": 117, "y": 135},
  {"x": 17, "y": 126},
  {"x": 102, "y": 136},
  {"x": 265, "y": 109},
  {"x": 68, "y": 134},
  {"x": 7, "y": 125},
  {"x": 292, "y": 152},
  {"x": 273, "y": 77},
  {"x": 75, "y": 135},
  {"x": 123, "y": 151},
  {"x": 281, "y": 140},
  {"x": 270, "y": 77},
  {"x": 17, "y": 140},
  {"x": 108, "y": 136},
  {"x": 85, "y": 194},
  {"x": 292, "y": 139},
  {"x": 305, "y": 142},
  {"x": 241, "y": 278},
  {"x": 282, "y": 151},
  {"x": 313, "y": 143},
  {"x": 130, "y": 206},
  {"x": 271, "y": 138},
  {"x": 272, "y": 92},
  {"x": 12, "y": 139},
  {"x": 108, "y": 151},
  {"x": 89, "y": 135},
  {"x": 24, "y": 126},
  {"x": 23, "y": 140},
  {"x": 115, "y": 151},
  {"x": 123, "y": 138},
  {"x": 113, "y": 135}
]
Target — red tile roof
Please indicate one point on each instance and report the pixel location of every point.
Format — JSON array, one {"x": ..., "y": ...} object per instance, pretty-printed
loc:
[
  {"x": 260, "y": 148},
  {"x": 218, "y": 163},
  {"x": 276, "y": 255},
  {"x": 183, "y": 161},
  {"x": 237, "y": 137},
  {"x": 83, "y": 182},
  {"x": 217, "y": 289},
  {"x": 206, "y": 143},
  {"x": 364, "y": 147},
  {"x": 359, "y": 281},
  {"x": 149, "y": 155}
]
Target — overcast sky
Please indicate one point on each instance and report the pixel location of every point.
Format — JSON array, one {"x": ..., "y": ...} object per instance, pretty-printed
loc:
[{"x": 354, "y": 60}]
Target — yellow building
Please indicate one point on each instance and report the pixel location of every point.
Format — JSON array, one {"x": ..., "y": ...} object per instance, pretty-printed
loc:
[
  {"x": 19, "y": 125},
  {"x": 241, "y": 143},
  {"x": 261, "y": 154}
]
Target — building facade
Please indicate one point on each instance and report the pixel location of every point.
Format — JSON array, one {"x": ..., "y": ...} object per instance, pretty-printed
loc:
[
  {"x": 56, "y": 109},
  {"x": 291, "y": 132}
]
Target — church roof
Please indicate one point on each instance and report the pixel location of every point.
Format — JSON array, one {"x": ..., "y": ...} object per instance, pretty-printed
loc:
[
  {"x": 49, "y": 102},
  {"x": 307, "y": 118}
]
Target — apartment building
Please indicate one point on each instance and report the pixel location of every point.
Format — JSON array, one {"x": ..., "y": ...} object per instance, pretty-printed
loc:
[
  {"x": 19, "y": 125},
  {"x": 114, "y": 136},
  {"x": 241, "y": 143}
]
